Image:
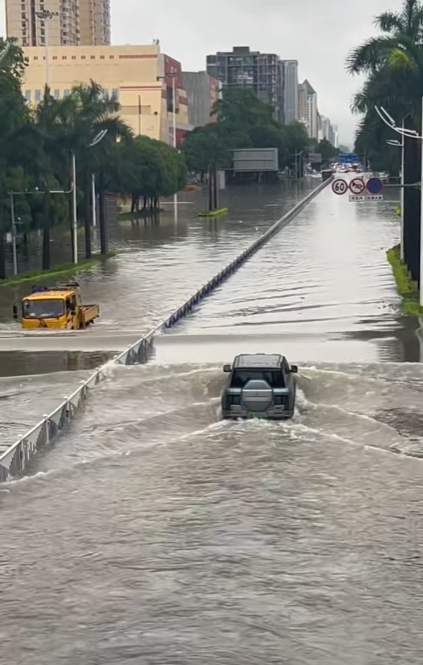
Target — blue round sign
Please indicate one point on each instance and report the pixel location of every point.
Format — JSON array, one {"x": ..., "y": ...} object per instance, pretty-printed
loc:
[{"x": 374, "y": 186}]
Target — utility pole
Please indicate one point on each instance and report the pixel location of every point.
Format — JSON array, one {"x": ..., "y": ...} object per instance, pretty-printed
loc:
[{"x": 45, "y": 16}]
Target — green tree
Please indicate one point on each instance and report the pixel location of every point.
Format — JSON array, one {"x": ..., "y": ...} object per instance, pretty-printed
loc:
[
  {"x": 327, "y": 150},
  {"x": 145, "y": 170},
  {"x": 14, "y": 114},
  {"x": 86, "y": 114},
  {"x": 393, "y": 63}
]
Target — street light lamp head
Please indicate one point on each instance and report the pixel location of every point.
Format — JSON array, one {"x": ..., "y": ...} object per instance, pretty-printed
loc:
[{"x": 385, "y": 112}]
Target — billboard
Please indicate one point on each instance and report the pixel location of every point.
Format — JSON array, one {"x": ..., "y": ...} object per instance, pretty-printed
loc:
[
  {"x": 255, "y": 160},
  {"x": 348, "y": 159}
]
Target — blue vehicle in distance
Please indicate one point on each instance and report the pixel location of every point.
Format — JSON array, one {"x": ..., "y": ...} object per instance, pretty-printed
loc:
[{"x": 260, "y": 385}]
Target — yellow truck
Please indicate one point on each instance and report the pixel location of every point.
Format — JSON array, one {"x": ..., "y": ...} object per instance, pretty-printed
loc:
[{"x": 58, "y": 308}]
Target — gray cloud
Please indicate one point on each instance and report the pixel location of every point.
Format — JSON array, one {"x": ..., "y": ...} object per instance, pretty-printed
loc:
[{"x": 319, "y": 33}]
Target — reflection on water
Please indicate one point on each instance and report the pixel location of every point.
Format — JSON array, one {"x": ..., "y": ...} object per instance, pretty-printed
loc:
[
  {"x": 16, "y": 363},
  {"x": 160, "y": 534},
  {"x": 154, "y": 532}
]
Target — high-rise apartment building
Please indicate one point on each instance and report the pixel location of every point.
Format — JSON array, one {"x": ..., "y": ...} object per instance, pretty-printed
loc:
[
  {"x": 328, "y": 131},
  {"x": 290, "y": 90},
  {"x": 252, "y": 70},
  {"x": 307, "y": 111},
  {"x": 70, "y": 22}
]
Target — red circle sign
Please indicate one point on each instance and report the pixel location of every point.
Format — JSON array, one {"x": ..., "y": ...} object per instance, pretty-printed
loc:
[
  {"x": 357, "y": 186},
  {"x": 339, "y": 186}
]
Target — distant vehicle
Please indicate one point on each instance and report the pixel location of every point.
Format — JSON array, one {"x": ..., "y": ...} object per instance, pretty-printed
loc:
[
  {"x": 56, "y": 307},
  {"x": 260, "y": 386}
]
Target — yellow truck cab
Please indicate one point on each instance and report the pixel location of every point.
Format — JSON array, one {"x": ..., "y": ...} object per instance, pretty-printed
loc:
[{"x": 58, "y": 307}]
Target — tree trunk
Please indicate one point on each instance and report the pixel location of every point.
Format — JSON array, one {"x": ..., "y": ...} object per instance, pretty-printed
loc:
[
  {"x": 104, "y": 239},
  {"x": 87, "y": 215},
  {"x": 215, "y": 194},
  {"x": 46, "y": 265},
  {"x": 210, "y": 190},
  {"x": 3, "y": 274}
]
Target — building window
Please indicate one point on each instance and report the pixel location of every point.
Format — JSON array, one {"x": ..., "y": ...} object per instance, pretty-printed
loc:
[
  {"x": 55, "y": 57},
  {"x": 112, "y": 57},
  {"x": 28, "y": 95},
  {"x": 66, "y": 93},
  {"x": 102, "y": 57},
  {"x": 35, "y": 57},
  {"x": 82, "y": 57},
  {"x": 38, "y": 95},
  {"x": 93, "y": 57},
  {"x": 57, "y": 94},
  {"x": 74, "y": 57},
  {"x": 64, "y": 57}
]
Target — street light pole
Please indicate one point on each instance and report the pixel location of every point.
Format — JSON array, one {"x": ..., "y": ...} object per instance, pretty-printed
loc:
[
  {"x": 412, "y": 134},
  {"x": 45, "y": 15},
  {"x": 14, "y": 252},
  {"x": 74, "y": 212},
  {"x": 100, "y": 136},
  {"x": 402, "y": 182},
  {"x": 93, "y": 201},
  {"x": 175, "y": 196},
  {"x": 401, "y": 145}
]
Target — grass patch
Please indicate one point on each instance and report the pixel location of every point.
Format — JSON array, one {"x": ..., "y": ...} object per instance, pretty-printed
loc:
[
  {"x": 407, "y": 289},
  {"x": 213, "y": 213},
  {"x": 57, "y": 271}
]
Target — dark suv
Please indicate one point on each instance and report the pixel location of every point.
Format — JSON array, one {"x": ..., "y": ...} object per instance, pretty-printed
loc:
[{"x": 261, "y": 385}]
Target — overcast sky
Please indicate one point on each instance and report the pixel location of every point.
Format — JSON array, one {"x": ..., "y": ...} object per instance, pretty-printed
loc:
[{"x": 318, "y": 33}]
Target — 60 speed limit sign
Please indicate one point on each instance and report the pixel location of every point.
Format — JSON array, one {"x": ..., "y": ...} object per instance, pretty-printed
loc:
[{"x": 339, "y": 187}]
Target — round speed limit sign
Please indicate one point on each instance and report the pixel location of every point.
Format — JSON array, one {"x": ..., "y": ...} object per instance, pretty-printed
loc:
[{"x": 339, "y": 187}]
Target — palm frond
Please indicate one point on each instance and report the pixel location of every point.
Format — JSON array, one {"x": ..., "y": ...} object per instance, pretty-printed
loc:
[
  {"x": 370, "y": 55},
  {"x": 389, "y": 22}
]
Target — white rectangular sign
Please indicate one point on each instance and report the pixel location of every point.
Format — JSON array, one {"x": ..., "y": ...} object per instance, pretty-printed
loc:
[{"x": 369, "y": 197}]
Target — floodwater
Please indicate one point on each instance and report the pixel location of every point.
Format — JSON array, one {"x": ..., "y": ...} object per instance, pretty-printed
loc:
[{"x": 153, "y": 532}]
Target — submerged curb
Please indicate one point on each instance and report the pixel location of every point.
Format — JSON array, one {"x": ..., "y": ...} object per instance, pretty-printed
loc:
[{"x": 16, "y": 458}]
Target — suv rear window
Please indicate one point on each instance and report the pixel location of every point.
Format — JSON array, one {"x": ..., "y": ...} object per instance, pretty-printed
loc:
[{"x": 241, "y": 377}]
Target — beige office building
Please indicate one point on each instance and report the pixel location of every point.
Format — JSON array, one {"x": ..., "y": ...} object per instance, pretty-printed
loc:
[
  {"x": 141, "y": 77},
  {"x": 71, "y": 22}
]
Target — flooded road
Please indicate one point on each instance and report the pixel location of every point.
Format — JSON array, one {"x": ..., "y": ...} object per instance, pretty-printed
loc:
[{"x": 153, "y": 532}]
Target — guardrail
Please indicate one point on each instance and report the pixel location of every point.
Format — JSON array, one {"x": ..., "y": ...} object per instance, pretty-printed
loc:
[{"x": 19, "y": 455}]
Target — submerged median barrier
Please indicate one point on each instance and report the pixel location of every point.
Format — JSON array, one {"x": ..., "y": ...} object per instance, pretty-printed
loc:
[{"x": 16, "y": 458}]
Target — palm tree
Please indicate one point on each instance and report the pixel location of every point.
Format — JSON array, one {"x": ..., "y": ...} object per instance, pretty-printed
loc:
[
  {"x": 393, "y": 63},
  {"x": 44, "y": 158},
  {"x": 86, "y": 113}
]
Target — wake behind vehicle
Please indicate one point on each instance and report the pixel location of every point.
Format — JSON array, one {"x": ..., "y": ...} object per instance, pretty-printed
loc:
[
  {"x": 260, "y": 385},
  {"x": 56, "y": 307}
]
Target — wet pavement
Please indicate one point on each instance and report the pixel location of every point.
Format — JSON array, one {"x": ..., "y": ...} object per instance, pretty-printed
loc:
[{"x": 153, "y": 532}]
